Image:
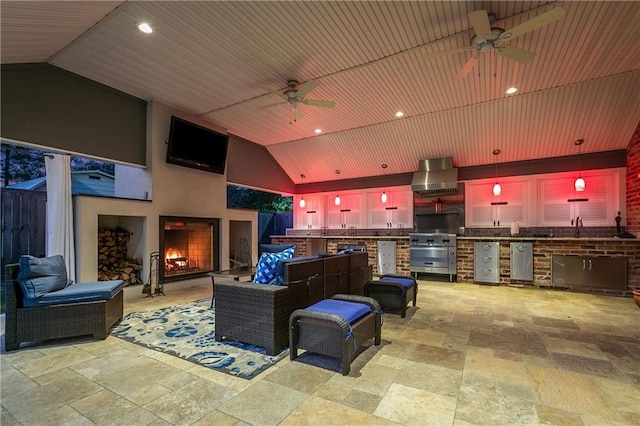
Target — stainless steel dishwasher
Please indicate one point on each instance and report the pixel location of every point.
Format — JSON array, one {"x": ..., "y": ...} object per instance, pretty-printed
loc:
[{"x": 521, "y": 261}]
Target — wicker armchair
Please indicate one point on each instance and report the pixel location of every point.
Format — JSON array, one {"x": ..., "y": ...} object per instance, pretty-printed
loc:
[{"x": 27, "y": 324}]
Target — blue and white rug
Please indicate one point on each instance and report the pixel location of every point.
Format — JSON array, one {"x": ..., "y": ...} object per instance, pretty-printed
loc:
[{"x": 188, "y": 332}]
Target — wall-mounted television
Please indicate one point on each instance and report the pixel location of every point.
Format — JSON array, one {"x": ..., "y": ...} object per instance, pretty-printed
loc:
[{"x": 191, "y": 145}]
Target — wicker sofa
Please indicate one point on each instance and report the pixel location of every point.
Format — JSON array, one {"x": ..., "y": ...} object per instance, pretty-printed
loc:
[{"x": 258, "y": 314}]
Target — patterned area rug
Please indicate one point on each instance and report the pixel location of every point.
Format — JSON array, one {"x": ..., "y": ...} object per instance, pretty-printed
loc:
[{"x": 188, "y": 332}]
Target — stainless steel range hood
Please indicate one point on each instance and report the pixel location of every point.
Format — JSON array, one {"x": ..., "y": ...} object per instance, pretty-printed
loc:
[{"x": 435, "y": 176}]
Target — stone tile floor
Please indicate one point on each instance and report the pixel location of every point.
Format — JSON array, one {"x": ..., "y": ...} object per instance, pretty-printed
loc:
[{"x": 467, "y": 355}]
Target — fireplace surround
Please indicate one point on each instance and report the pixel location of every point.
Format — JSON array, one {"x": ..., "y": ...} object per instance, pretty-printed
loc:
[{"x": 189, "y": 247}]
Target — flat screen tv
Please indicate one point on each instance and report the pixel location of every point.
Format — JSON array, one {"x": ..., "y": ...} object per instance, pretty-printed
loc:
[{"x": 191, "y": 145}]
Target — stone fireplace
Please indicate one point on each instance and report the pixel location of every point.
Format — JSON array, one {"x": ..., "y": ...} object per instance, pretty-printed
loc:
[{"x": 189, "y": 247}]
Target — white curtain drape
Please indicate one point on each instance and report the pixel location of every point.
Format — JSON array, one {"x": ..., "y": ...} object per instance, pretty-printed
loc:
[{"x": 60, "y": 238}]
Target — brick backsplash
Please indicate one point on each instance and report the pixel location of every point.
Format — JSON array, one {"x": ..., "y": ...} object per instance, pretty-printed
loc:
[
  {"x": 558, "y": 231},
  {"x": 633, "y": 183}
]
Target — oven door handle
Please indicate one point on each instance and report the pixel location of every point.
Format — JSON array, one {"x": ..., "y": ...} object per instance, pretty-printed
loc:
[{"x": 421, "y": 248}]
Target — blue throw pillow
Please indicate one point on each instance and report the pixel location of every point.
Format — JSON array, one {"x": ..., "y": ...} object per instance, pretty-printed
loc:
[
  {"x": 268, "y": 270},
  {"x": 39, "y": 276}
]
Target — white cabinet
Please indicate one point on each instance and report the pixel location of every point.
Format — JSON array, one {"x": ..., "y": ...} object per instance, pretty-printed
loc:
[
  {"x": 347, "y": 214},
  {"x": 312, "y": 214},
  {"x": 397, "y": 212},
  {"x": 559, "y": 203},
  {"x": 483, "y": 209}
]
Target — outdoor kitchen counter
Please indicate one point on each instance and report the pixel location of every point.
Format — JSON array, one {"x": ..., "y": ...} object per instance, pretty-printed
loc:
[
  {"x": 544, "y": 248},
  {"x": 306, "y": 243}
]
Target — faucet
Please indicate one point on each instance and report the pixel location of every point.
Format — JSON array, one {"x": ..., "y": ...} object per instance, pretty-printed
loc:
[{"x": 578, "y": 222}]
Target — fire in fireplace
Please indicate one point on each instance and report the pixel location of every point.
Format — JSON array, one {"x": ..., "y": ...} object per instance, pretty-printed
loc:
[{"x": 189, "y": 247}]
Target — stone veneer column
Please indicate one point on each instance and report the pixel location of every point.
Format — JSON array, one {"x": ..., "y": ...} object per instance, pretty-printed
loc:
[{"x": 633, "y": 183}]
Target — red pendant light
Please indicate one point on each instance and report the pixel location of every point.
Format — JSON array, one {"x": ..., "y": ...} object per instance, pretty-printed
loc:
[
  {"x": 579, "y": 184},
  {"x": 302, "y": 202},
  {"x": 337, "y": 200},
  {"x": 497, "y": 189},
  {"x": 383, "y": 197}
]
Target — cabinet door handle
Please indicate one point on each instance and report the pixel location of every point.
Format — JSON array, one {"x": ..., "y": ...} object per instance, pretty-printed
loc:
[
  {"x": 584, "y": 264},
  {"x": 590, "y": 264}
]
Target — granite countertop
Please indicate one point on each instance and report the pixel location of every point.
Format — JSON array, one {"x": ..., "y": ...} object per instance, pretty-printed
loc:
[
  {"x": 547, "y": 239},
  {"x": 488, "y": 238},
  {"x": 346, "y": 237}
]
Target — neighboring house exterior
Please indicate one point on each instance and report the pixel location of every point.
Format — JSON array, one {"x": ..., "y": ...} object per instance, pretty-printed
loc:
[{"x": 87, "y": 182}]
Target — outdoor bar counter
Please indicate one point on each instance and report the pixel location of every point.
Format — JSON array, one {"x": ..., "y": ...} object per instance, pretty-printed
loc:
[{"x": 543, "y": 249}]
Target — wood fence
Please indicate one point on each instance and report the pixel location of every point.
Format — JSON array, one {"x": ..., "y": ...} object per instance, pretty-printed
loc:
[{"x": 24, "y": 221}]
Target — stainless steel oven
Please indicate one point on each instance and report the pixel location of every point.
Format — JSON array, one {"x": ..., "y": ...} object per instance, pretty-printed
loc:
[{"x": 433, "y": 254}]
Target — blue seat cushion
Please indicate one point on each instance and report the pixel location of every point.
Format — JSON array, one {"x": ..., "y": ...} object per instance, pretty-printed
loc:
[
  {"x": 406, "y": 282},
  {"x": 270, "y": 269},
  {"x": 349, "y": 311},
  {"x": 41, "y": 275},
  {"x": 79, "y": 292}
]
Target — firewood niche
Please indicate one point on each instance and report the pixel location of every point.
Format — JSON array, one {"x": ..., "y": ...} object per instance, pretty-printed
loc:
[{"x": 113, "y": 262}]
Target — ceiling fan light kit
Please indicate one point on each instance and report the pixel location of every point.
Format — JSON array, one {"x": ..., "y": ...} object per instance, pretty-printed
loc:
[{"x": 294, "y": 95}]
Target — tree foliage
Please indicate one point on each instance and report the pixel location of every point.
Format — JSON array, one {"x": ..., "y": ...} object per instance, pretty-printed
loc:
[
  {"x": 246, "y": 198},
  {"x": 20, "y": 164}
]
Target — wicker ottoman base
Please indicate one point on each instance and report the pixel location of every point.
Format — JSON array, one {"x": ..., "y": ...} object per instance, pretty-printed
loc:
[
  {"x": 330, "y": 335},
  {"x": 392, "y": 295}
]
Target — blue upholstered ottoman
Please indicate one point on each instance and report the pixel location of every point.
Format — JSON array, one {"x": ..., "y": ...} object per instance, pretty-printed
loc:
[
  {"x": 335, "y": 327},
  {"x": 393, "y": 292}
]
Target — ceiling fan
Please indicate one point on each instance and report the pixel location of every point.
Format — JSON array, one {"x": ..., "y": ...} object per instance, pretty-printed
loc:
[
  {"x": 294, "y": 95},
  {"x": 488, "y": 38}
]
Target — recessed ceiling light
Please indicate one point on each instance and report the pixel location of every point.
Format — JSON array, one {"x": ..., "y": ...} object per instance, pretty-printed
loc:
[
  {"x": 144, "y": 27},
  {"x": 512, "y": 90},
  {"x": 399, "y": 114},
  {"x": 318, "y": 131}
]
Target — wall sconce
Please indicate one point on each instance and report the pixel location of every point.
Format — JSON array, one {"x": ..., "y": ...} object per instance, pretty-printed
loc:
[
  {"x": 302, "y": 202},
  {"x": 497, "y": 189},
  {"x": 337, "y": 199},
  {"x": 579, "y": 184},
  {"x": 383, "y": 197}
]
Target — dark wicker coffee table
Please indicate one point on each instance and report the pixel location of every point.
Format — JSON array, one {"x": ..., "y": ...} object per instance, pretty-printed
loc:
[{"x": 234, "y": 274}]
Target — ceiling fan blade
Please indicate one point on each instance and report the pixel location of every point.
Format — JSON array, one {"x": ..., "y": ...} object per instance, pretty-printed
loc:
[
  {"x": 319, "y": 102},
  {"x": 515, "y": 53},
  {"x": 468, "y": 67},
  {"x": 480, "y": 22},
  {"x": 530, "y": 25},
  {"x": 305, "y": 88}
]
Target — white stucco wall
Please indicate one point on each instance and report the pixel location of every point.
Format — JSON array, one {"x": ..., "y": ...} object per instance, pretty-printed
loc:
[{"x": 177, "y": 191}]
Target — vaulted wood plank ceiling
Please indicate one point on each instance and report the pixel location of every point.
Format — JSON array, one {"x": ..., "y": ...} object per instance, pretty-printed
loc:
[{"x": 228, "y": 61}]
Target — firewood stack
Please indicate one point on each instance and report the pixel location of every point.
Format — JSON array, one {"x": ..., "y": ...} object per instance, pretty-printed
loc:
[{"x": 113, "y": 263}]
